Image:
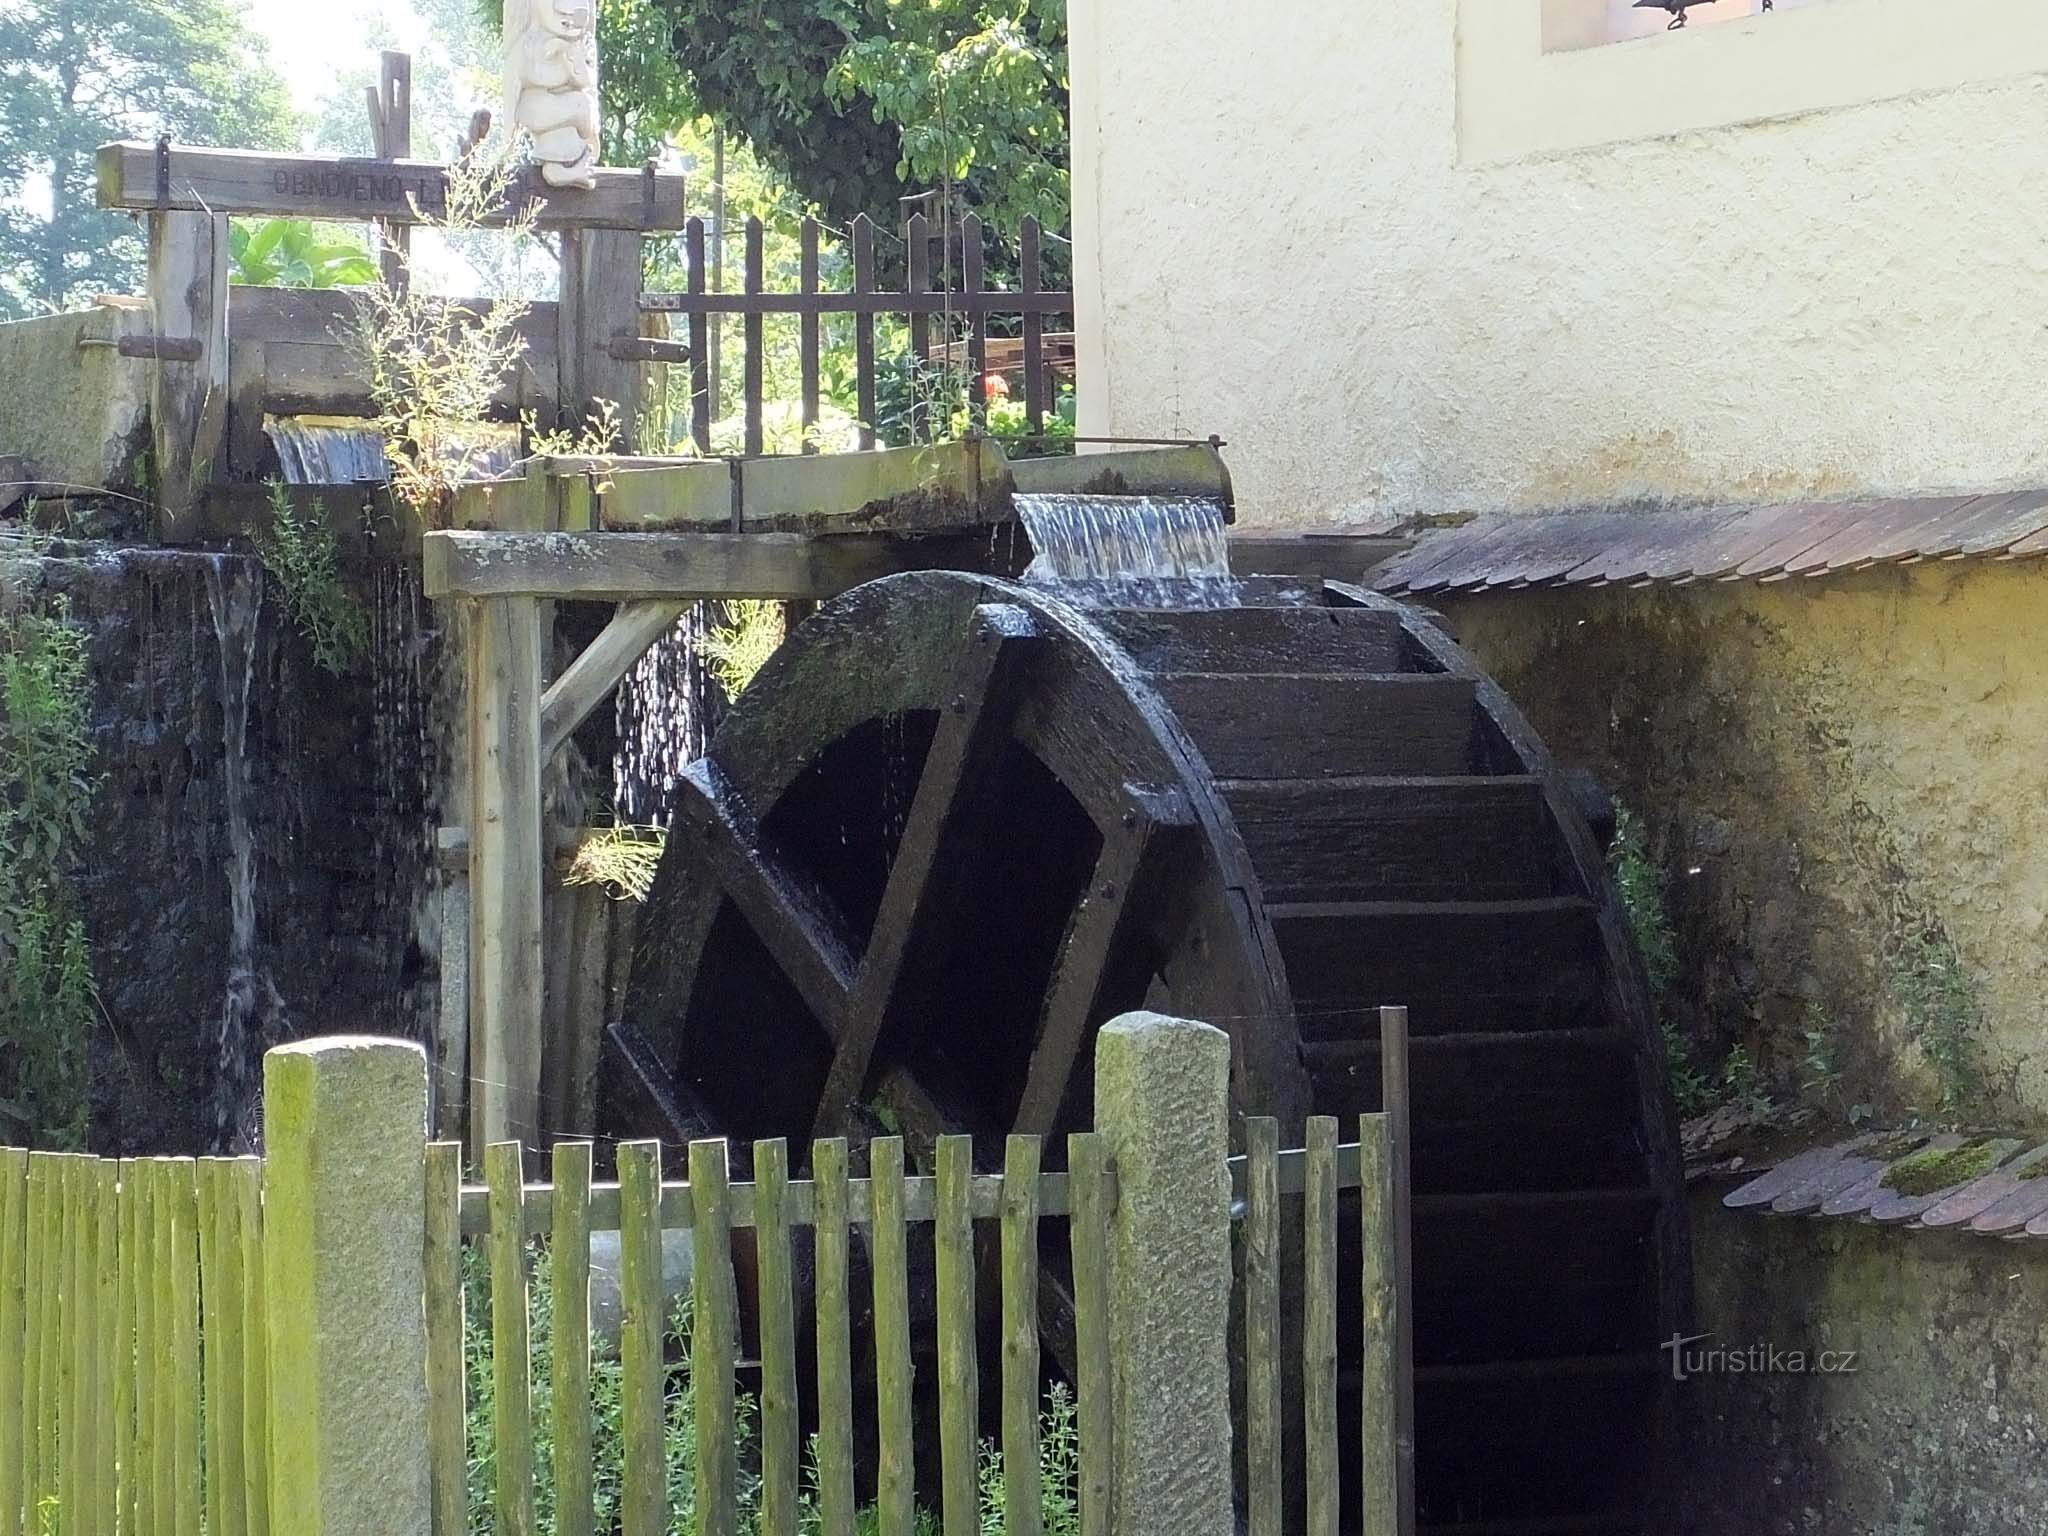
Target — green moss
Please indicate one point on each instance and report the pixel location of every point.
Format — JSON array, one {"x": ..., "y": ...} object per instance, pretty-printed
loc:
[{"x": 1934, "y": 1169}]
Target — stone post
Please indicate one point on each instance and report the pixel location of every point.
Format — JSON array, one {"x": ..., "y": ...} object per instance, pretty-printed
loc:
[
  {"x": 344, "y": 1211},
  {"x": 1162, "y": 1104}
]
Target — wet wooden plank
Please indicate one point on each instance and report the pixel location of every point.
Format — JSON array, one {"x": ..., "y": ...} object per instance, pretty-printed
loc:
[
  {"x": 1382, "y": 838},
  {"x": 2012, "y": 1213},
  {"x": 1264, "y": 1452},
  {"x": 959, "y": 1378},
  {"x": 835, "y": 1349},
  {"x": 1319, "y": 1326},
  {"x": 781, "y": 1459},
  {"x": 643, "y": 1501},
  {"x": 714, "y": 1338},
  {"x": 248, "y": 1182},
  {"x": 1022, "y": 1510},
  {"x": 511, "y": 1378},
  {"x": 1895, "y": 1207},
  {"x": 1338, "y": 725},
  {"x": 1859, "y": 1197},
  {"x": 447, "y": 1445},
  {"x": 569, "y": 1382},
  {"x": 1776, "y": 1181},
  {"x": 896, "y": 1468},
  {"x": 1978, "y": 1198},
  {"x": 14, "y": 1245},
  {"x": 1087, "y": 1160},
  {"x": 1290, "y": 640}
]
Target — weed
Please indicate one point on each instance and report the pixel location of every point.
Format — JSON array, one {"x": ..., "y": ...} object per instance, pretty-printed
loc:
[
  {"x": 47, "y": 999},
  {"x": 1642, "y": 900},
  {"x": 621, "y": 859},
  {"x": 300, "y": 553},
  {"x": 737, "y": 649},
  {"x": 1820, "y": 1074},
  {"x": 1059, "y": 1453},
  {"x": 1938, "y": 997},
  {"x": 435, "y": 364},
  {"x": 1742, "y": 1082}
]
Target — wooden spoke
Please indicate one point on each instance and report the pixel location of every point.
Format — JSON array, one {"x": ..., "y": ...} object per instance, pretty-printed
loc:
[
  {"x": 654, "y": 1097},
  {"x": 986, "y": 684},
  {"x": 794, "y": 921},
  {"x": 1085, "y": 951}
]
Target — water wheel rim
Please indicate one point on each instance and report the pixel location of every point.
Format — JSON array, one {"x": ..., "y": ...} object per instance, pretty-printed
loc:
[{"x": 1083, "y": 711}]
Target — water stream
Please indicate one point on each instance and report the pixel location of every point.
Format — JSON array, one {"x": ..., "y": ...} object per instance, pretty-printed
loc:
[
  {"x": 663, "y": 713},
  {"x": 313, "y": 451},
  {"x": 234, "y": 590},
  {"x": 1139, "y": 551},
  {"x": 326, "y": 453}
]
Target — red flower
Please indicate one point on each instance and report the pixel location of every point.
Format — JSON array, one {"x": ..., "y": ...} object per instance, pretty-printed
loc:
[{"x": 994, "y": 387}]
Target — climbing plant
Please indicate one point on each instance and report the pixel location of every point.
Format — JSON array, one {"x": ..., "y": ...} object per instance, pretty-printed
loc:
[{"x": 47, "y": 1001}]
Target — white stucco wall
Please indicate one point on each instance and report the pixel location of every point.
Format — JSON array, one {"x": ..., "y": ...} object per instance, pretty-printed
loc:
[{"x": 1290, "y": 230}]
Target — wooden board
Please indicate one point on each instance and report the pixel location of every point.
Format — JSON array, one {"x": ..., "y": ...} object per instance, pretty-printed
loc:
[
  {"x": 188, "y": 284},
  {"x": 1298, "y": 726},
  {"x": 225, "y": 181},
  {"x": 1298, "y": 640},
  {"x": 620, "y": 567},
  {"x": 1383, "y": 839}
]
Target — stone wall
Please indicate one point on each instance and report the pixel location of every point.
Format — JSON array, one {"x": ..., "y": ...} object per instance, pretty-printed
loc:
[
  {"x": 1937, "y": 1431},
  {"x": 325, "y": 834},
  {"x": 1829, "y": 772}
]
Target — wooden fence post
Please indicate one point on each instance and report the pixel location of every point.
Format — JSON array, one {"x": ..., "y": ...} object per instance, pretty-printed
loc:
[
  {"x": 1162, "y": 1105},
  {"x": 344, "y": 1200}
]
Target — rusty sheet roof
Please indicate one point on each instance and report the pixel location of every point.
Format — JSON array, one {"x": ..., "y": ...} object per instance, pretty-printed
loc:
[{"x": 1507, "y": 551}]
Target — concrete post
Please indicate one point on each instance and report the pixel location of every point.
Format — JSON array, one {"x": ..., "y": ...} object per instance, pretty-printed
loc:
[
  {"x": 1162, "y": 1103},
  {"x": 344, "y": 1217}
]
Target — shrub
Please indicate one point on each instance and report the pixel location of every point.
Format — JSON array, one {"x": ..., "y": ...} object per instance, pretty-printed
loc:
[{"x": 300, "y": 553}]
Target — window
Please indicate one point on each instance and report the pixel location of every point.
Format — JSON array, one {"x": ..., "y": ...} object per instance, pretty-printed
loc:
[
  {"x": 1569, "y": 24},
  {"x": 1545, "y": 77}
]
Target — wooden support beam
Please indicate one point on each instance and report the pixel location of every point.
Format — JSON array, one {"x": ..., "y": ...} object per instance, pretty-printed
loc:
[
  {"x": 600, "y": 305},
  {"x": 224, "y": 181},
  {"x": 188, "y": 294},
  {"x": 622, "y": 567},
  {"x": 506, "y": 852},
  {"x": 591, "y": 677}
]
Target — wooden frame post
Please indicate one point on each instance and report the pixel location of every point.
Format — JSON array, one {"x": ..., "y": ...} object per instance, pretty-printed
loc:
[
  {"x": 599, "y": 322},
  {"x": 507, "y": 854},
  {"x": 188, "y": 296},
  {"x": 391, "y": 137}
]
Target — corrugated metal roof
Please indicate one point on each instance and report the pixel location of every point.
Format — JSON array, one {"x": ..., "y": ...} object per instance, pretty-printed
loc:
[{"x": 1507, "y": 551}]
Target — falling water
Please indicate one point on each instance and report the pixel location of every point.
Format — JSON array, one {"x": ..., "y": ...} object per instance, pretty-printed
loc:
[
  {"x": 1149, "y": 551},
  {"x": 326, "y": 453},
  {"x": 234, "y": 589},
  {"x": 311, "y": 451},
  {"x": 663, "y": 722}
]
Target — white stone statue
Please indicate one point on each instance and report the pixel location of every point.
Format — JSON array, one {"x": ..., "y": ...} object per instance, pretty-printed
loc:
[{"x": 551, "y": 85}]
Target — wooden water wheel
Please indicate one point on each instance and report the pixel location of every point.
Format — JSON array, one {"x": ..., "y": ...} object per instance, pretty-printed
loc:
[{"x": 956, "y": 824}]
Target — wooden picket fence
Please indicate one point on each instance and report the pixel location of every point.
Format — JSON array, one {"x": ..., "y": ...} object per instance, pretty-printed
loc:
[
  {"x": 504, "y": 1213},
  {"x": 136, "y": 1394},
  {"x": 133, "y": 1386}
]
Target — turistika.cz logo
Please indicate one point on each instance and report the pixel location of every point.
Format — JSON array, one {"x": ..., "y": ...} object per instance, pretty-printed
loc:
[{"x": 1691, "y": 1356}]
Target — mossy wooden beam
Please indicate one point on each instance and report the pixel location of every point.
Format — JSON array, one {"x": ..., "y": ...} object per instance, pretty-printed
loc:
[
  {"x": 903, "y": 490},
  {"x": 625, "y": 567},
  {"x": 1187, "y": 469}
]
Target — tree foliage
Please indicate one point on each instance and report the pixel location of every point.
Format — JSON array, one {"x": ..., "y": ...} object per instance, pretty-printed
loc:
[
  {"x": 865, "y": 101},
  {"x": 76, "y": 73}
]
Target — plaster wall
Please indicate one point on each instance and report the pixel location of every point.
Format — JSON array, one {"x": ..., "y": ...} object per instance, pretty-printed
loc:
[
  {"x": 1828, "y": 772},
  {"x": 1405, "y": 260},
  {"x": 1938, "y": 1430}
]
